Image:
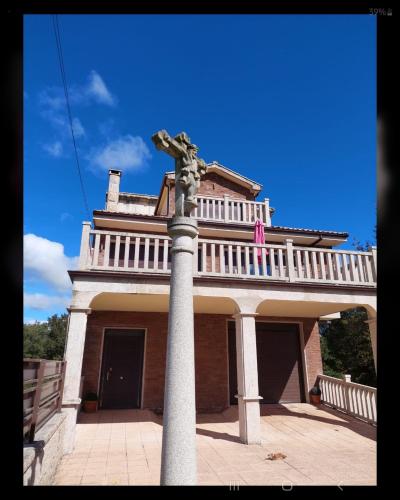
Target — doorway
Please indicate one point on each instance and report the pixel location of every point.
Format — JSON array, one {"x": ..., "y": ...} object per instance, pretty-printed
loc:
[{"x": 122, "y": 367}]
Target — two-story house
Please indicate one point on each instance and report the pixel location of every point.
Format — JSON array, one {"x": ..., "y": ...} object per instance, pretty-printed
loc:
[{"x": 256, "y": 306}]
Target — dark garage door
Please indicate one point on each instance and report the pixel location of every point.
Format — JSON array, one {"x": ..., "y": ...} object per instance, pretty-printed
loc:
[{"x": 279, "y": 363}]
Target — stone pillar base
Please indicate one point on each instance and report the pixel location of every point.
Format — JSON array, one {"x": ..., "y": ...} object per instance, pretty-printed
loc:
[
  {"x": 249, "y": 419},
  {"x": 70, "y": 409}
]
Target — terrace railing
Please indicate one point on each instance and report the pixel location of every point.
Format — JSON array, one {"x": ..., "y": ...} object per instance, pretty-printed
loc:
[
  {"x": 140, "y": 252},
  {"x": 355, "y": 399},
  {"x": 42, "y": 393},
  {"x": 232, "y": 210}
]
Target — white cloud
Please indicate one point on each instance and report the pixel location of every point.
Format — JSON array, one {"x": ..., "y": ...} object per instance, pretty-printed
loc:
[
  {"x": 78, "y": 129},
  {"x": 125, "y": 153},
  {"x": 55, "y": 150},
  {"x": 52, "y": 99},
  {"x": 99, "y": 91},
  {"x": 45, "y": 260},
  {"x": 30, "y": 321},
  {"x": 65, "y": 216},
  {"x": 40, "y": 301}
]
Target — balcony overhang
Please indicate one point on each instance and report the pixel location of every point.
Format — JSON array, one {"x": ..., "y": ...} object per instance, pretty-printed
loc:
[{"x": 150, "y": 293}]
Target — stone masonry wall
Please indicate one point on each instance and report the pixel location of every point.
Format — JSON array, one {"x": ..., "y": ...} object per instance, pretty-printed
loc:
[{"x": 42, "y": 457}]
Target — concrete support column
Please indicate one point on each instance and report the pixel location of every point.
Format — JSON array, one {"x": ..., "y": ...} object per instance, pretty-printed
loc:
[
  {"x": 73, "y": 356},
  {"x": 178, "y": 460},
  {"x": 372, "y": 331},
  {"x": 247, "y": 373}
]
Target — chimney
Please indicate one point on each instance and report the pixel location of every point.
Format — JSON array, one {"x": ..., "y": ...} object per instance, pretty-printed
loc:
[{"x": 114, "y": 178}]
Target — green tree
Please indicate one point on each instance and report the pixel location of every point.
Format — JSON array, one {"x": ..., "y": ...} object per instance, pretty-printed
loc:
[
  {"x": 57, "y": 334},
  {"x": 346, "y": 347},
  {"x": 46, "y": 340},
  {"x": 35, "y": 340}
]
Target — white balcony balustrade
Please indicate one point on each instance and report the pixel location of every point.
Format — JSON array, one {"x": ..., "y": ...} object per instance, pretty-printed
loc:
[
  {"x": 150, "y": 253},
  {"x": 355, "y": 399},
  {"x": 232, "y": 210}
]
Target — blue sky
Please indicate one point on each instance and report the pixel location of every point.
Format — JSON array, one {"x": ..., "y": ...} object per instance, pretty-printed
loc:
[{"x": 287, "y": 100}]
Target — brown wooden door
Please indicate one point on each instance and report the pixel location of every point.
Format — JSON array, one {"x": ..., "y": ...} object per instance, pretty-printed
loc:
[
  {"x": 280, "y": 377},
  {"x": 121, "y": 374},
  {"x": 279, "y": 363}
]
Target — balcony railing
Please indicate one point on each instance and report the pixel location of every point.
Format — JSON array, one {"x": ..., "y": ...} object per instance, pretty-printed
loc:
[
  {"x": 139, "y": 252},
  {"x": 355, "y": 399},
  {"x": 232, "y": 210}
]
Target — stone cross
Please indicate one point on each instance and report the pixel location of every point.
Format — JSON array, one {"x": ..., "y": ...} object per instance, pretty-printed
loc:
[{"x": 188, "y": 169}]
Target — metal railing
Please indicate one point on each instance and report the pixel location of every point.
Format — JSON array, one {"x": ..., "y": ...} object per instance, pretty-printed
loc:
[
  {"x": 140, "y": 252},
  {"x": 42, "y": 393},
  {"x": 355, "y": 399}
]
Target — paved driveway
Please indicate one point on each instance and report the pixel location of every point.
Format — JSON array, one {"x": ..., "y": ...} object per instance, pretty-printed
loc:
[{"x": 318, "y": 446}]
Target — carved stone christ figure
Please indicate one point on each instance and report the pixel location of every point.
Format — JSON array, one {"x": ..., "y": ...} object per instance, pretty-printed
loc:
[{"x": 188, "y": 169}]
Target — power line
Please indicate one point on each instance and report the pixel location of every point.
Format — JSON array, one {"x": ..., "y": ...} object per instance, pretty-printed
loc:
[{"x": 64, "y": 81}]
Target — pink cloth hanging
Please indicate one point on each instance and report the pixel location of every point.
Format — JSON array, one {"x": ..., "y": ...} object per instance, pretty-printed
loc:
[{"x": 259, "y": 237}]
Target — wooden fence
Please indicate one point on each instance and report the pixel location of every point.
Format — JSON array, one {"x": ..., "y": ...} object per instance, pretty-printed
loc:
[
  {"x": 355, "y": 399},
  {"x": 43, "y": 389}
]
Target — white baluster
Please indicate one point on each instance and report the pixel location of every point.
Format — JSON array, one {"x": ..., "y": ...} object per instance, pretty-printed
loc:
[
  {"x": 345, "y": 267},
  {"x": 263, "y": 261},
  {"x": 146, "y": 253},
  {"x": 360, "y": 268},
  {"x": 307, "y": 263},
  {"x": 127, "y": 248},
  {"x": 96, "y": 250},
  {"x": 221, "y": 260},
  {"x": 314, "y": 265},
  {"x": 230, "y": 260},
  {"x": 322, "y": 265},
  {"x": 289, "y": 260},
  {"x": 137, "y": 250},
  {"x": 353, "y": 274},
  {"x": 204, "y": 257},
  {"x": 213, "y": 257},
  {"x": 337, "y": 262},
  {"x": 272, "y": 262},
  {"x": 280, "y": 263},
  {"x": 247, "y": 260},
  {"x": 239, "y": 258},
  {"x": 299, "y": 264},
  {"x": 107, "y": 251},
  {"x": 116, "y": 253},
  {"x": 156, "y": 244},
  {"x": 255, "y": 261},
  {"x": 165, "y": 255},
  {"x": 226, "y": 208}
]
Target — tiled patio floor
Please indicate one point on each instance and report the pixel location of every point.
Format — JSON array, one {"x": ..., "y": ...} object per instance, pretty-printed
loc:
[{"x": 322, "y": 447}]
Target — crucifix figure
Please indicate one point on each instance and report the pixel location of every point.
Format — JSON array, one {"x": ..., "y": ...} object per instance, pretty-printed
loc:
[{"x": 188, "y": 169}]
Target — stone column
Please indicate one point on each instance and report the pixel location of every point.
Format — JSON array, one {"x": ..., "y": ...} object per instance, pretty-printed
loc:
[
  {"x": 73, "y": 356},
  {"x": 178, "y": 461},
  {"x": 247, "y": 373},
  {"x": 372, "y": 331}
]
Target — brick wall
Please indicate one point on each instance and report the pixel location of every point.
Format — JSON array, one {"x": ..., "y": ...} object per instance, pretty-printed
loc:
[
  {"x": 217, "y": 186},
  {"x": 211, "y": 355}
]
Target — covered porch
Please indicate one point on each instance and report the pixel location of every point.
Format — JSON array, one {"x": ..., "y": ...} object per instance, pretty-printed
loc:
[
  {"x": 312, "y": 446},
  {"x": 102, "y": 301}
]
